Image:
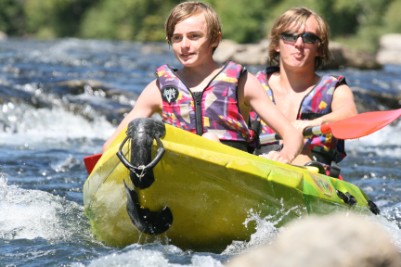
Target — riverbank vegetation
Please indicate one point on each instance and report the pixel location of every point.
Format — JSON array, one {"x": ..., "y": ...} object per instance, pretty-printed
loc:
[{"x": 358, "y": 24}]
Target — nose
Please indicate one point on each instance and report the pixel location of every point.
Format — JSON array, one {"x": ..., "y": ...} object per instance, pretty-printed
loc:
[
  {"x": 299, "y": 41},
  {"x": 184, "y": 42}
]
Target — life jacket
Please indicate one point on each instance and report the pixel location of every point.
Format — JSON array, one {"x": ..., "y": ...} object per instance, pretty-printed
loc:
[
  {"x": 215, "y": 109},
  {"x": 326, "y": 148}
]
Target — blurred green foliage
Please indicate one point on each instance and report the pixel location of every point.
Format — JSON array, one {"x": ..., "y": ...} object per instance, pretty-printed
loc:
[{"x": 358, "y": 23}]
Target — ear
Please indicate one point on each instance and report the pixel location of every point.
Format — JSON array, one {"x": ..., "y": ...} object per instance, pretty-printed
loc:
[
  {"x": 318, "y": 50},
  {"x": 216, "y": 43}
]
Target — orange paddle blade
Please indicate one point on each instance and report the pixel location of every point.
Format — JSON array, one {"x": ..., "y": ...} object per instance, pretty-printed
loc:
[
  {"x": 357, "y": 126},
  {"x": 363, "y": 124}
]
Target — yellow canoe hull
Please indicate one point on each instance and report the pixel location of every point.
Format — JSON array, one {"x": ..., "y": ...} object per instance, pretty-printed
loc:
[{"x": 211, "y": 190}]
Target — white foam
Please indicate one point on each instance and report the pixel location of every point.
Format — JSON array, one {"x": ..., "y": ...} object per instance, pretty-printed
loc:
[
  {"x": 389, "y": 135},
  {"x": 266, "y": 230},
  {"x": 30, "y": 214},
  {"x": 389, "y": 219},
  {"x": 156, "y": 256},
  {"x": 44, "y": 125},
  {"x": 384, "y": 142}
]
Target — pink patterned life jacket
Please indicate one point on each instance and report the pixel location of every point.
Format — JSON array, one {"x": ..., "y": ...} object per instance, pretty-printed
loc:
[
  {"x": 215, "y": 109},
  {"x": 315, "y": 104}
]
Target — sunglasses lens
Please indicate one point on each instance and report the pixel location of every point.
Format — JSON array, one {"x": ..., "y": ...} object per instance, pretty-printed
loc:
[
  {"x": 289, "y": 37},
  {"x": 309, "y": 38}
]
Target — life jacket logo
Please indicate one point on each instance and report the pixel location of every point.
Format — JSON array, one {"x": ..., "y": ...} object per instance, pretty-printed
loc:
[{"x": 170, "y": 94}]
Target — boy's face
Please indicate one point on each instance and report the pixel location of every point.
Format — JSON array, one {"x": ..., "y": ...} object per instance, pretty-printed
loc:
[
  {"x": 190, "y": 41},
  {"x": 300, "y": 52}
]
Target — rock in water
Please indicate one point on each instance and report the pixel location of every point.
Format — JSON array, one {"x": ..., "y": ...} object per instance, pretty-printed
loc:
[{"x": 337, "y": 240}]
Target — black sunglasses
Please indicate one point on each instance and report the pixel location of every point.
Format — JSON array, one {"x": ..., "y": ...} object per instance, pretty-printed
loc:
[{"x": 307, "y": 37}]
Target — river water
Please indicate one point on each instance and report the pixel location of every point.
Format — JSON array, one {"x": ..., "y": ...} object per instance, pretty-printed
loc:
[{"x": 60, "y": 100}]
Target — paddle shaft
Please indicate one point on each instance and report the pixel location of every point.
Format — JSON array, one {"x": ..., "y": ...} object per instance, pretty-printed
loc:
[{"x": 316, "y": 130}]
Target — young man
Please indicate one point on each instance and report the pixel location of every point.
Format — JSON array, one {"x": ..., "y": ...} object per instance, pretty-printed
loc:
[
  {"x": 204, "y": 97},
  {"x": 298, "y": 47}
]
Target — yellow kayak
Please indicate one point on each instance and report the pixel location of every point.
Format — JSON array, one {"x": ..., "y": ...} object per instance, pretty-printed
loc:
[{"x": 160, "y": 183}]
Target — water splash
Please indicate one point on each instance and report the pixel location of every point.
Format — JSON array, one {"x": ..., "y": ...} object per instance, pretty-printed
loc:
[
  {"x": 26, "y": 124},
  {"x": 388, "y": 136},
  {"x": 32, "y": 214},
  {"x": 266, "y": 230},
  {"x": 390, "y": 219},
  {"x": 155, "y": 255}
]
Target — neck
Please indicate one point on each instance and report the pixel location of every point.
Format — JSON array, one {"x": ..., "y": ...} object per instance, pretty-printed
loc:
[
  {"x": 297, "y": 81},
  {"x": 193, "y": 76}
]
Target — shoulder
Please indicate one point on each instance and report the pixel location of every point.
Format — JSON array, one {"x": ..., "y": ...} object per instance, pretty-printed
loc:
[
  {"x": 165, "y": 71},
  {"x": 151, "y": 96},
  {"x": 152, "y": 86},
  {"x": 234, "y": 64},
  {"x": 343, "y": 93},
  {"x": 162, "y": 68},
  {"x": 250, "y": 85},
  {"x": 234, "y": 67},
  {"x": 337, "y": 79},
  {"x": 248, "y": 78}
]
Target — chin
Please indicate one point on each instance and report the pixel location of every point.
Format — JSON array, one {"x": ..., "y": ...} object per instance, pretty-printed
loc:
[{"x": 187, "y": 63}]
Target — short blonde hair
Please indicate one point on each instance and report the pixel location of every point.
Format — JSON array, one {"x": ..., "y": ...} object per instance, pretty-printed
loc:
[
  {"x": 298, "y": 16},
  {"x": 188, "y": 9}
]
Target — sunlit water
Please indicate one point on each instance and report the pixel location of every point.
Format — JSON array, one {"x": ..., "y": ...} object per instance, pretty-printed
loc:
[{"x": 46, "y": 128}]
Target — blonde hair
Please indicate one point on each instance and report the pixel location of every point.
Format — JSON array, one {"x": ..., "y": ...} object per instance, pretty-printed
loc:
[
  {"x": 188, "y": 9},
  {"x": 299, "y": 16}
]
